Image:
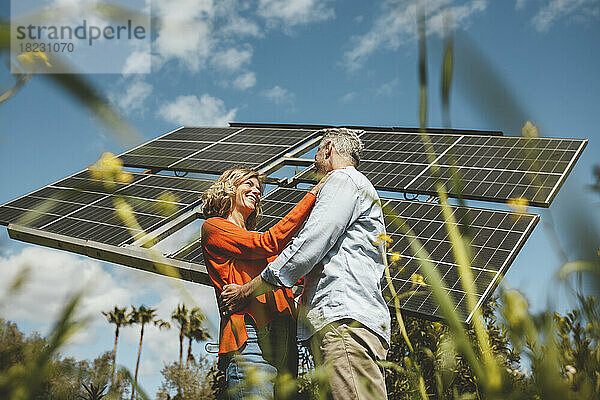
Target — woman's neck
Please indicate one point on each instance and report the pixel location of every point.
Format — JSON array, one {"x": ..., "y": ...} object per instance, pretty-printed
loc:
[{"x": 237, "y": 218}]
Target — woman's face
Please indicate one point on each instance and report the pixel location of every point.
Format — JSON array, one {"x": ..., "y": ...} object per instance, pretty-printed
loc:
[{"x": 247, "y": 196}]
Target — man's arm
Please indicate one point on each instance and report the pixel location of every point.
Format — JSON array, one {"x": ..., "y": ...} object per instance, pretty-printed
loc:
[{"x": 336, "y": 207}]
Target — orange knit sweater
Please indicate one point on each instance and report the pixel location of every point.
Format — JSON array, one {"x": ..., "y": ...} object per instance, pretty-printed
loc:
[{"x": 235, "y": 255}]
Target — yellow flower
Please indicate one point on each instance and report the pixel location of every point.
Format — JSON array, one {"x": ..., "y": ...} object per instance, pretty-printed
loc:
[
  {"x": 109, "y": 170},
  {"x": 395, "y": 257},
  {"x": 417, "y": 279},
  {"x": 385, "y": 238},
  {"x": 124, "y": 177},
  {"x": 166, "y": 205},
  {"x": 31, "y": 58},
  {"x": 518, "y": 204},
  {"x": 529, "y": 130}
]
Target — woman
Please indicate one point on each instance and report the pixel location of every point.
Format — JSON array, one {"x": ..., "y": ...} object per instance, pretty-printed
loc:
[{"x": 262, "y": 337}]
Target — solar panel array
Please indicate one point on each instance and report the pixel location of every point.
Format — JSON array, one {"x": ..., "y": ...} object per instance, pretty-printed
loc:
[
  {"x": 497, "y": 238},
  {"x": 489, "y": 168},
  {"x": 83, "y": 207},
  {"x": 214, "y": 150}
]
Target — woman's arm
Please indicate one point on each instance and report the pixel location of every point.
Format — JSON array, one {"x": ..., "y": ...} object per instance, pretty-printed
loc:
[{"x": 224, "y": 237}]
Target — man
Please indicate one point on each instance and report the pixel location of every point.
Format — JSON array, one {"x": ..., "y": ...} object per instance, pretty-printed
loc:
[{"x": 341, "y": 254}]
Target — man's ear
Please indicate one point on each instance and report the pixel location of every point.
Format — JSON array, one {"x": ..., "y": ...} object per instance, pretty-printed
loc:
[{"x": 328, "y": 149}]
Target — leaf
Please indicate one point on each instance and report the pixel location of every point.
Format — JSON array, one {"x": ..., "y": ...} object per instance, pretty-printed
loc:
[{"x": 577, "y": 266}]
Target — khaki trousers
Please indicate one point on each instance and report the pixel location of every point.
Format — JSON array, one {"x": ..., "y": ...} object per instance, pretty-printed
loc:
[{"x": 345, "y": 354}]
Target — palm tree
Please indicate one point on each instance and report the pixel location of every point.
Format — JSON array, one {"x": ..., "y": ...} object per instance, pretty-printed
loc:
[
  {"x": 93, "y": 392},
  {"x": 162, "y": 324},
  {"x": 143, "y": 316},
  {"x": 118, "y": 317},
  {"x": 181, "y": 317},
  {"x": 196, "y": 330}
]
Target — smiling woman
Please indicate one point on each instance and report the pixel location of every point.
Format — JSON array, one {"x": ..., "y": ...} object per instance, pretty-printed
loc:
[{"x": 262, "y": 337}]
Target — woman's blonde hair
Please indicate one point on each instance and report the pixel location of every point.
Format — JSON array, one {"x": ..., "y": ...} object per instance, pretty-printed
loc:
[{"x": 218, "y": 200}]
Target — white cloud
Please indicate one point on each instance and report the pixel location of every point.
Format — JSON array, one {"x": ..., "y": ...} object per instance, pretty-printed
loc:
[
  {"x": 561, "y": 9},
  {"x": 294, "y": 12},
  {"x": 54, "y": 277},
  {"x": 279, "y": 95},
  {"x": 245, "y": 81},
  {"x": 397, "y": 25},
  {"x": 520, "y": 4},
  {"x": 189, "y": 110},
  {"x": 185, "y": 31},
  {"x": 190, "y": 31},
  {"x": 348, "y": 97},
  {"x": 138, "y": 62},
  {"x": 232, "y": 59},
  {"x": 239, "y": 26},
  {"x": 71, "y": 11},
  {"x": 388, "y": 88},
  {"x": 134, "y": 97}
]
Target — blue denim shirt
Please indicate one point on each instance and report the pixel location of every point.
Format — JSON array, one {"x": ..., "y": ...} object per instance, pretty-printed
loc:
[{"x": 338, "y": 240}]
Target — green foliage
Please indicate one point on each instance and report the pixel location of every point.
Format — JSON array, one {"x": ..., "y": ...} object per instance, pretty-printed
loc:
[
  {"x": 190, "y": 382},
  {"x": 93, "y": 392},
  {"x": 578, "y": 338},
  {"x": 64, "y": 378},
  {"x": 445, "y": 373}
]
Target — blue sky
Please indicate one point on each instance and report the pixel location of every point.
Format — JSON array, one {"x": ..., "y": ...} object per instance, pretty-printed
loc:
[{"x": 305, "y": 61}]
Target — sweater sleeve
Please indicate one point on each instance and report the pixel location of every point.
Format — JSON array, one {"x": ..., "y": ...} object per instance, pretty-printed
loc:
[{"x": 226, "y": 238}]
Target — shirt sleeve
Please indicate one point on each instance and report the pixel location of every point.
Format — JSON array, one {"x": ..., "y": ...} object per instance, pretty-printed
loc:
[
  {"x": 337, "y": 206},
  {"x": 228, "y": 239}
]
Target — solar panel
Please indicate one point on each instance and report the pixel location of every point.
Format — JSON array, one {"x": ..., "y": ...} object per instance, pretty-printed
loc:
[
  {"x": 83, "y": 207},
  {"x": 490, "y": 168},
  {"x": 214, "y": 150},
  {"x": 497, "y": 238}
]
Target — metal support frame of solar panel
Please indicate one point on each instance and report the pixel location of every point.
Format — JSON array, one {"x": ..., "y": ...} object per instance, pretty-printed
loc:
[
  {"x": 490, "y": 168},
  {"x": 214, "y": 150},
  {"x": 497, "y": 238},
  {"x": 83, "y": 207},
  {"x": 130, "y": 256}
]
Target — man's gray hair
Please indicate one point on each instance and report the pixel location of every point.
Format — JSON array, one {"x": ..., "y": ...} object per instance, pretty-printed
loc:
[{"x": 346, "y": 142}]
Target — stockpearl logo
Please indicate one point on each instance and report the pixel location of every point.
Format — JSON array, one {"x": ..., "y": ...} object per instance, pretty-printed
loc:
[{"x": 84, "y": 37}]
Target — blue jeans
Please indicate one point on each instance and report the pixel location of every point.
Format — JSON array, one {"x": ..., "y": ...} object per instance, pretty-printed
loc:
[{"x": 252, "y": 371}]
